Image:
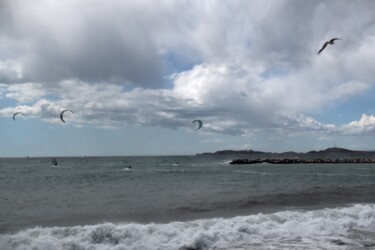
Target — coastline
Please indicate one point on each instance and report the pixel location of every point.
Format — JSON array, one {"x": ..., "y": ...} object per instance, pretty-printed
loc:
[{"x": 301, "y": 161}]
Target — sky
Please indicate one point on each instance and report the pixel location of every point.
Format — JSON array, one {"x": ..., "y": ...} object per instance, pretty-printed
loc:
[{"x": 137, "y": 73}]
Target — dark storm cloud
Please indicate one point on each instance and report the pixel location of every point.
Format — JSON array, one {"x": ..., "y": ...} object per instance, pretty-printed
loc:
[
  {"x": 104, "y": 58},
  {"x": 93, "y": 42}
]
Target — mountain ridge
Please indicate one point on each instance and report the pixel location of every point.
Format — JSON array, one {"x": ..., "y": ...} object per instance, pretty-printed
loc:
[{"x": 328, "y": 153}]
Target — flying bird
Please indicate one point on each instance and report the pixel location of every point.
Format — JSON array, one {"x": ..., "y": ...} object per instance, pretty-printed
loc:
[
  {"x": 331, "y": 42},
  {"x": 200, "y": 123},
  {"x": 62, "y": 114}
]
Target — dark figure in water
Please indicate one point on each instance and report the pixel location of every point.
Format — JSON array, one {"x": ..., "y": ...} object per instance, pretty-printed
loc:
[{"x": 54, "y": 162}]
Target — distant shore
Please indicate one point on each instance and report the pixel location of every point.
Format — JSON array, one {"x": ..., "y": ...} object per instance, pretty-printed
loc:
[
  {"x": 329, "y": 156},
  {"x": 299, "y": 161}
]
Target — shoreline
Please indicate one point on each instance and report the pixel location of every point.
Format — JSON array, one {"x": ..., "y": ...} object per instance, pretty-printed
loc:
[{"x": 300, "y": 161}]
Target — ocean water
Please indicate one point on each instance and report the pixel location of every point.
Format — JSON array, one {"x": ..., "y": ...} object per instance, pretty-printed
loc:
[{"x": 184, "y": 202}]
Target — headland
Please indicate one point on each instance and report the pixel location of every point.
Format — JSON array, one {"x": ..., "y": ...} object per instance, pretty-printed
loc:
[{"x": 329, "y": 155}]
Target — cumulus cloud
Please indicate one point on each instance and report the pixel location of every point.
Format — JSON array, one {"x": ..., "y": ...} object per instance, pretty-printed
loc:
[
  {"x": 365, "y": 125},
  {"x": 43, "y": 109},
  {"x": 26, "y": 92},
  {"x": 257, "y": 69},
  {"x": 308, "y": 123}
]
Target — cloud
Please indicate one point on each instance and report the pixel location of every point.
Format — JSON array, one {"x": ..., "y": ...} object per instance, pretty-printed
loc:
[
  {"x": 254, "y": 70},
  {"x": 308, "y": 123},
  {"x": 10, "y": 71},
  {"x": 201, "y": 93},
  {"x": 42, "y": 109},
  {"x": 91, "y": 41},
  {"x": 26, "y": 92},
  {"x": 365, "y": 125},
  {"x": 128, "y": 41}
]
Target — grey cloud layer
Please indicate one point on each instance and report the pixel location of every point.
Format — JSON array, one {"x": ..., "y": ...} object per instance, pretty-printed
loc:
[{"x": 121, "y": 41}]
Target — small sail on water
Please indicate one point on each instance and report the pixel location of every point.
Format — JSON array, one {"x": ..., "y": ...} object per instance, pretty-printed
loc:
[{"x": 54, "y": 162}]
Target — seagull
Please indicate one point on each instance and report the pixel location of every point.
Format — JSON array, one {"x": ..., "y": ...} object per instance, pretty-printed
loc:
[{"x": 332, "y": 41}]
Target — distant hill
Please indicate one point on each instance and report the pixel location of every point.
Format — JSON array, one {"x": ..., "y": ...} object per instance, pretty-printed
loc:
[{"x": 329, "y": 153}]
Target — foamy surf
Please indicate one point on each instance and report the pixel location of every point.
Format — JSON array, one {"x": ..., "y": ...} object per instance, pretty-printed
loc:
[{"x": 335, "y": 228}]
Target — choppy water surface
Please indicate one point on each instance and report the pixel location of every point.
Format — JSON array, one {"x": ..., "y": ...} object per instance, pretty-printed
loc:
[{"x": 200, "y": 203}]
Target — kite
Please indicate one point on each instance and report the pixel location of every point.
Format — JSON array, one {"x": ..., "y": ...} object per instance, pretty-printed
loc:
[
  {"x": 200, "y": 123},
  {"x": 14, "y": 116},
  {"x": 62, "y": 114}
]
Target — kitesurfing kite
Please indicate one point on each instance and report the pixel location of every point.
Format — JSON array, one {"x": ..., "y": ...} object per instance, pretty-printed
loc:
[
  {"x": 331, "y": 42},
  {"x": 54, "y": 162},
  {"x": 14, "y": 116},
  {"x": 200, "y": 123},
  {"x": 62, "y": 114}
]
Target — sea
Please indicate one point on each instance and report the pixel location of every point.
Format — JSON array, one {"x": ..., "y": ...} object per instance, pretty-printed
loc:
[{"x": 184, "y": 203}]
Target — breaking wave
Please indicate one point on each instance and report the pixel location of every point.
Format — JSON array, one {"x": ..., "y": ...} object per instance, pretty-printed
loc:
[{"x": 350, "y": 227}]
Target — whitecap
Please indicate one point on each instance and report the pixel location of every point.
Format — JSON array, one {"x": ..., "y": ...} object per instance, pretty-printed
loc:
[{"x": 334, "y": 228}]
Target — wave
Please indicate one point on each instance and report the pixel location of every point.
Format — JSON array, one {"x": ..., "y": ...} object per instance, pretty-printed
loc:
[
  {"x": 172, "y": 170},
  {"x": 253, "y": 172},
  {"x": 225, "y": 162},
  {"x": 350, "y": 227},
  {"x": 348, "y": 174}
]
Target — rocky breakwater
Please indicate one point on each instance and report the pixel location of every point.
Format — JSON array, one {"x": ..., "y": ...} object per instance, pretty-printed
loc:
[{"x": 299, "y": 161}]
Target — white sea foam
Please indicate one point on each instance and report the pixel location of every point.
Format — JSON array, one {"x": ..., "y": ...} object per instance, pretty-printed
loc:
[
  {"x": 226, "y": 162},
  {"x": 252, "y": 172},
  {"x": 340, "y": 228}
]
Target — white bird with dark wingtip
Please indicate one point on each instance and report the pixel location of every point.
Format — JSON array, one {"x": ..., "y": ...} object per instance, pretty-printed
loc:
[{"x": 331, "y": 42}]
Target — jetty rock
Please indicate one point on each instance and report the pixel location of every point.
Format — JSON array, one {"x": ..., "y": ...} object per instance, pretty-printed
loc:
[{"x": 300, "y": 161}]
